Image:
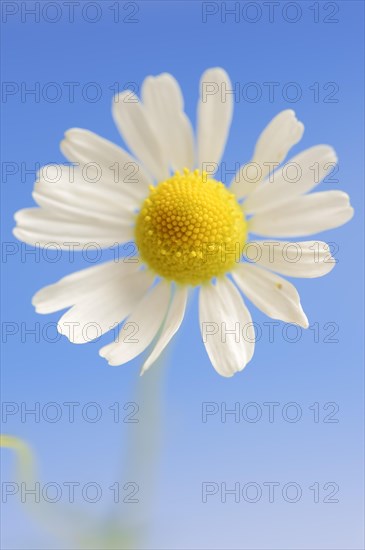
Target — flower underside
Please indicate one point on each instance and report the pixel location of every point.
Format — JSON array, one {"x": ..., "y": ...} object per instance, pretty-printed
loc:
[{"x": 190, "y": 228}]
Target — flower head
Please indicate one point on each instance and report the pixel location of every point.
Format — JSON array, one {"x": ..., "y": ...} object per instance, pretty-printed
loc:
[
  {"x": 190, "y": 229},
  {"x": 185, "y": 226}
]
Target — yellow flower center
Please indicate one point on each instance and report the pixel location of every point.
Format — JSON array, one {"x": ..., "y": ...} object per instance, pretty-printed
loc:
[{"x": 190, "y": 228}]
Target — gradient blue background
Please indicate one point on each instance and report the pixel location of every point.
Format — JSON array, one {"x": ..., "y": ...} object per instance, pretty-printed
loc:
[{"x": 170, "y": 36}]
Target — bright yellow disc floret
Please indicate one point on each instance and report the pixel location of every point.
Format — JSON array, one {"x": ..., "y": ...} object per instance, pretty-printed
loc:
[{"x": 190, "y": 228}]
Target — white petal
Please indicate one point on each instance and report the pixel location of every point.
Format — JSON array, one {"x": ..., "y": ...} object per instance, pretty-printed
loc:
[
  {"x": 133, "y": 121},
  {"x": 163, "y": 101},
  {"x": 80, "y": 285},
  {"x": 306, "y": 259},
  {"x": 171, "y": 326},
  {"x": 66, "y": 192},
  {"x": 305, "y": 215},
  {"x": 301, "y": 174},
  {"x": 221, "y": 309},
  {"x": 274, "y": 143},
  {"x": 215, "y": 109},
  {"x": 272, "y": 294},
  {"x": 104, "y": 307},
  {"x": 144, "y": 323},
  {"x": 75, "y": 209},
  {"x": 42, "y": 227},
  {"x": 120, "y": 174},
  {"x": 279, "y": 136}
]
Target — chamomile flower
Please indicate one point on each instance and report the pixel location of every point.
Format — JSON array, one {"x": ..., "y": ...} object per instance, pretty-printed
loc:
[{"x": 189, "y": 229}]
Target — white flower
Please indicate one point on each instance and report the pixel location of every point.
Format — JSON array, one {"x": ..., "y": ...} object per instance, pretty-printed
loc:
[{"x": 189, "y": 228}]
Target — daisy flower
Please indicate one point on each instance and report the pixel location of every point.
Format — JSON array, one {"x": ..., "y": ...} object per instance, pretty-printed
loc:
[{"x": 189, "y": 229}]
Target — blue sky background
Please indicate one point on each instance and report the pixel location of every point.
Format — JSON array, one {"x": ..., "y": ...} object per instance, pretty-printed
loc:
[{"x": 322, "y": 53}]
